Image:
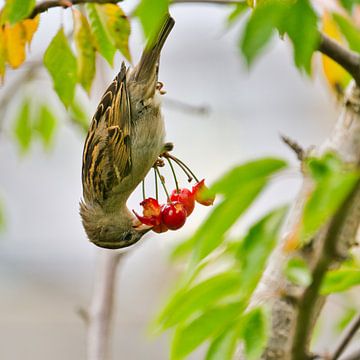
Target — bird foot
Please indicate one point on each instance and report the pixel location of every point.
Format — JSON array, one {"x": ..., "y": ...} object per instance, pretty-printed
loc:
[
  {"x": 159, "y": 163},
  {"x": 159, "y": 86}
]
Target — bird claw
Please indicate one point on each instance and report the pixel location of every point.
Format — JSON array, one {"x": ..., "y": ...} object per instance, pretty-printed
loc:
[
  {"x": 159, "y": 163},
  {"x": 159, "y": 86}
]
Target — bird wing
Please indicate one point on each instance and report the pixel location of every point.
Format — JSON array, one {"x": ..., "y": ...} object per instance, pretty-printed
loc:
[{"x": 107, "y": 150}]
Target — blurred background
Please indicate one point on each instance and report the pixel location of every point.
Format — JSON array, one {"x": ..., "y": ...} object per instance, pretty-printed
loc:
[{"x": 47, "y": 265}]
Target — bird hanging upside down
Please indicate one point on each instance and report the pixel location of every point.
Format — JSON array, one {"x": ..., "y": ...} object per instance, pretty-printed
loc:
[{"x": 125, "y": 139}]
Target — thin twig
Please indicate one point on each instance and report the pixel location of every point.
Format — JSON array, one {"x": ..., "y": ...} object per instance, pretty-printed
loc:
[
  {"x": 46, "y": 5},
  {"x": 348, "y": 59},
  {"x": 299, "y": 151},
  {"x": 186, "y": 107},
  {"x": 102, "y": 305},
  {"x": 347, "y": 336}
]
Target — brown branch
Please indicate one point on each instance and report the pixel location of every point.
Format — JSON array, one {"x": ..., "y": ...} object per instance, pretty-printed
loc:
[
  {"x": 347, "y": 336},
  {"x": 100, "y": 314},
  {"x": 298, "y": 150},
  {"x": 307, "y": 305},
  {"x": 348, "y": 59},
  {"x": 46, "y": 5}
]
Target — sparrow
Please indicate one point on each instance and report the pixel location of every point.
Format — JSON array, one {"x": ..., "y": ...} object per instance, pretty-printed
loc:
[{"x": 125, "y": 139}]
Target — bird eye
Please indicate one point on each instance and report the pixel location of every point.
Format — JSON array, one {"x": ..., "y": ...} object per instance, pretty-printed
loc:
[{"x": 128, "y": 236}]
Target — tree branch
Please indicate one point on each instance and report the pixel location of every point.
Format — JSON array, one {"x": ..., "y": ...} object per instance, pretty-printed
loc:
[
  {"x": 294, "y": 308},
  {"x": 348, "y": 59},
  {"x": 347, "y": 336},
  {"x": 102, "y": 304},
  {"x": 46, "y": 5}
]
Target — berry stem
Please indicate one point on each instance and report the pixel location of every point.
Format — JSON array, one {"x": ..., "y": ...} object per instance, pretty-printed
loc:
[
  {"x": 156, "y": 186},
  {"x": 143, "y": 189},
  {"x": 162, "y": 183},
  {"x": 174, "y": 174},
  {"x": 183, "y": 166}
]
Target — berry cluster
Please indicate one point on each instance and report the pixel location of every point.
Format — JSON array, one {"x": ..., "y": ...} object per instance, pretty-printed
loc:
[{"x": 173, "y": 214}]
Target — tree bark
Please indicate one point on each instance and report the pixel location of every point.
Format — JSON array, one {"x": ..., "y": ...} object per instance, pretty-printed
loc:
[{"x": 294, "y": 309}]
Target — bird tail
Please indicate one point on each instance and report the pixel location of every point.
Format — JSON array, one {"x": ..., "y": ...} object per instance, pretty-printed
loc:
[{"x": 147, "y": 67}]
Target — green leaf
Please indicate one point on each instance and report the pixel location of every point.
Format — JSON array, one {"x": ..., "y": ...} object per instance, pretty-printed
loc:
[
  {"x": 300, "y": 23},
  {"x": 256, "y": 248},
  {"x": 255, "y": 332},
  {"x": 345, "y": 319},
  {"x": 327, "y": 197},
  {"x": 246, "y": 173},
  {"x": 46, "y": 125},
  {"x": 340, "y": 280},
  {"x": 85, "y": 49},
  {"x": 211, "y": 232},
  {"x": 118, "y": 26},
  {"x": 151, "y": 14},
  {"x": 260, "y": 28},
  {"x": 349, "y": 30},
  {"x": 224, "y": 346},
  {"x": 100, "y": 31},
  {"x": 207, "y": 293},
  {"x": 322, "y": 167},
  {"x": 209, "y": 324},
  {"x": 16, "y": 10},
  {"x": 236, "y": 13},
  {"x": 297, "y": 271},
  {"x": 61, "y": 64},
  {"x": 23, "y": 129}
]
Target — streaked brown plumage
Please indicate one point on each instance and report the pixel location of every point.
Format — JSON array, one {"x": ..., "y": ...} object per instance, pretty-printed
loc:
[{"x": 125, "y": 138}]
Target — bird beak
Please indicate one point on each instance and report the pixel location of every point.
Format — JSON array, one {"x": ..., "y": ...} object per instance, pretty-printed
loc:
[{"x": 142, "y": 228}]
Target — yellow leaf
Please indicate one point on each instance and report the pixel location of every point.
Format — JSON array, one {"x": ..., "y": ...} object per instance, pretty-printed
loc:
[
  {"x": 15, "y": 36},
  {"x": 30, "y": 26},
  {"x": 336, "y": 76},
  {"x": 119, "y": 28}
]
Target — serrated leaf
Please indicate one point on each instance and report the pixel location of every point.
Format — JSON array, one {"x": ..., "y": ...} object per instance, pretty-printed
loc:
[
  {"x": 151, "y": 14},
  {"x": 209, "y": 324},
  {"x": 23, "y": 129},
  {"x": 300, "y": 23},
  {"x": 119, "y": 28},
  {"x": 298, "y": 272},
  {"x": 246, "y": 173},
  {"x": 222, "y": 218},
  {"x": 46, "y": 125},
  {"x": 61, "y": 64},
  {"x": 340, "y": 280},
  {"x": 255, "y": 332},
  {"x": 101, "y": 32},
  {"x": 349, "y": 30},
  {"x": 15, "y": 37},
  {"x": 207, "y": 293},
  {"x": 335, "y": 74},
  {"x": 224, "y": 346},
  {"x": 260, "y": 28},
  {"x": 323, "y": 202},
  {"x": 16, "y": 10},
  {"x": 85, "y": 49},
  {"x": 256, "y": 248}
]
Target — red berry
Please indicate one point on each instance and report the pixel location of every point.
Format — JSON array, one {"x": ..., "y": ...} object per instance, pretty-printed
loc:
[
  {"x": 202, "y": 195},
  {"x": 173, "y": 215},
  {"x": 151, "y": 212},
  {"x": 186, "y": 197}
]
